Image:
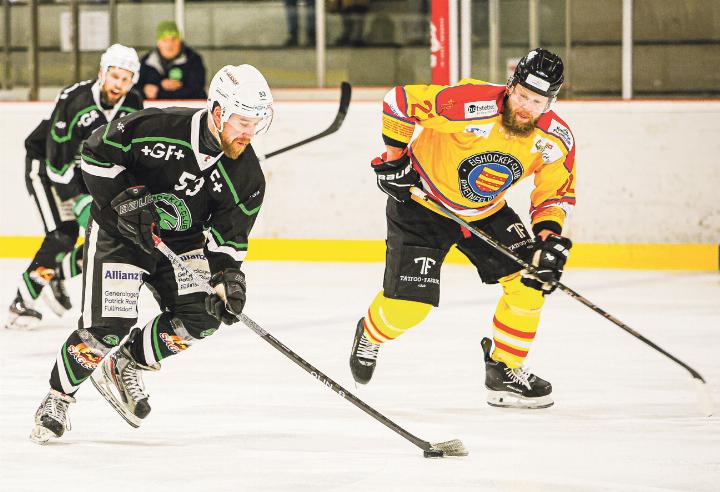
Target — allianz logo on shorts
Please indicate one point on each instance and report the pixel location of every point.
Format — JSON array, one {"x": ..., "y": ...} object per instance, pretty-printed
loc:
[
  {"x": 425, "y": 264},
  {"x": 120, "y": 275}
]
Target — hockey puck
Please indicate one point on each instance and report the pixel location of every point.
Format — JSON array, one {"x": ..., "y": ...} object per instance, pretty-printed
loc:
[{"x": 433, "y": 453}]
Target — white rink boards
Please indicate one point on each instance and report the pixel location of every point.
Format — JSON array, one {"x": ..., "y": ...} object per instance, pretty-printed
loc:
[{"x": 232, "y": 413}]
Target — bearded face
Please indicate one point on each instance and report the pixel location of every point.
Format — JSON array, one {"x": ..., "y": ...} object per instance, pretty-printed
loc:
[
  {"x": 236, "y": 134},
  {"x": 117, "y": 83},
  {"x": 232, "y": 146},
  {"x": 523, "y": 110}
]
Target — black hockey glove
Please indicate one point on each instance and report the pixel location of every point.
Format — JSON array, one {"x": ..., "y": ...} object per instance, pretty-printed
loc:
[
  {"x": 230, "y": 285},
  {"x": 137, "y": 216},
  {"x": 548, "y": 258},
  {"x": 395, "y": 177}
]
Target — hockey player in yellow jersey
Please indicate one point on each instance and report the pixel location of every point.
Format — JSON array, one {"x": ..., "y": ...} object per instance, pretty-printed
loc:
[{"x": 477, "y": 141}]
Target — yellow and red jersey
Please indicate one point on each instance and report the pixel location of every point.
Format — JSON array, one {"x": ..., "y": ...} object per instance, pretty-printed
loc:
[{"x": 468, "y": 161}]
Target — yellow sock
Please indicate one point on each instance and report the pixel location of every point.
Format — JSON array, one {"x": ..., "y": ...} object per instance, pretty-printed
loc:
[
  {"x": 516, "y": 319},
  {"x": 387, "y": 319}
]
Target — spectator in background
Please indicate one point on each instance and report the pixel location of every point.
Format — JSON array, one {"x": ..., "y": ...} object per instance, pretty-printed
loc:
[
  {"x": 352, "y": 13},
  {"x": 172, "y": 70},
  {"x": 291, "y": 12}
]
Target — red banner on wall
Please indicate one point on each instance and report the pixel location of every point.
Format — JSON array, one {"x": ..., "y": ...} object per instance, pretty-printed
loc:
[{"x": 440, "y": 42}]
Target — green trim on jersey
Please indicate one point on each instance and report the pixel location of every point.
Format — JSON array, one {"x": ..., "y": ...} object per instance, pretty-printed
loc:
[
  {"x": 71, "y": 125},
  {"x": 222, "y": 242},
  {"x": 126, "y": 148},
  {"x": 234, "y": 193},
  {"x": 61, "y": 170},
  {"x": 92, "y": 161}
]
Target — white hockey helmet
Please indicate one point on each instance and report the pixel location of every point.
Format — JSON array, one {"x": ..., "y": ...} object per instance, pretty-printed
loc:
[
  {"x": 120, "y": 56},
  {"x": 241, "y": 90}
]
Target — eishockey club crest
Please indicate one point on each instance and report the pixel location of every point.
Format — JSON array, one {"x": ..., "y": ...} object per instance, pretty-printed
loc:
[{"x": 483, "y": 176}]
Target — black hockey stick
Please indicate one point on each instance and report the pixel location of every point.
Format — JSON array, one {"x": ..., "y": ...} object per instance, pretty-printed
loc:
[
  {"x": 345, "y": 93},
  {"x": 438, "y": 450},
  {"x": 704, "y": 395}
]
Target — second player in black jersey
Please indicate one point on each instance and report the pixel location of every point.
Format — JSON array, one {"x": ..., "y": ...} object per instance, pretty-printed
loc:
[
  {"x": 192, "y": 177},
  {"x": 53, "y": 179}
]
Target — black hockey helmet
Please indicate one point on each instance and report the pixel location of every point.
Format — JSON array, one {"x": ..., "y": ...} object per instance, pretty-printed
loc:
[{"x": 540, "y": 71}]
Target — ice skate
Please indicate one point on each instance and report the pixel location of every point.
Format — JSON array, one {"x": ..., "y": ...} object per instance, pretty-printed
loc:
[
  {"x": 119, "y": 381},
  {"x": 363, "y": 357},
  {"x": 513, "y": 388},
  {"x": 51, "y": 418},
  {"x": 20, "y": 316},
  {"x": 56, "y": 297}
]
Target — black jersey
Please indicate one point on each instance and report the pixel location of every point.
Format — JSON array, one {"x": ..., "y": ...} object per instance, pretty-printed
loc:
[
  {"x": 160, "y": 148},
  {"x": 78, "y": 112},
  {"x": 35, "y": 142}
]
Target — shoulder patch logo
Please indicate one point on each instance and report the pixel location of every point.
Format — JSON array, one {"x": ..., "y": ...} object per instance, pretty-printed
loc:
[
  {"x": 480, "y": 109},
  {"x": 550, "y": 151},
  {"x": 562, "y": 132}
]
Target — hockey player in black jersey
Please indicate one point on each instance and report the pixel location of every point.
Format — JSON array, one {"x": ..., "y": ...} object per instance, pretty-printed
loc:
[
  {"x": 54, "y": 181},
  {"x": 176, "y": 172}
]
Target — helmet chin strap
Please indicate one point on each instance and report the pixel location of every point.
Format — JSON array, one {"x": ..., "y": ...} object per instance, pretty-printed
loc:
[{"x": 214, "y": 130}]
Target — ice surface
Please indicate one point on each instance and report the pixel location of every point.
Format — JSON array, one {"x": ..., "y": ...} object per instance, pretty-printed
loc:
[{"x": 234, "y": 414}]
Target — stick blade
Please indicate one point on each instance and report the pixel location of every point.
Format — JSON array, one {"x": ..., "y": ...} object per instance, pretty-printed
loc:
[
  {"x": 444, "y": 449},
  {"x": 345, "y": 96},
  {"x": 343, "y": 106}
]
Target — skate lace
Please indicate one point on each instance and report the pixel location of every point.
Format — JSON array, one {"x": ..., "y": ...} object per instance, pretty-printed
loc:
[
  {"x": 366, "y": 349},
  {"x": 519, "y": 375},
  {"x": 133, "y": 382},
  {"x": 56, "y": 409}
]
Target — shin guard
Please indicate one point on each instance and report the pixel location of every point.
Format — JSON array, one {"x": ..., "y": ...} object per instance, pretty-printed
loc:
[
  {"x": 387, "y": 318},
  {"x": 515, "y": 322}
]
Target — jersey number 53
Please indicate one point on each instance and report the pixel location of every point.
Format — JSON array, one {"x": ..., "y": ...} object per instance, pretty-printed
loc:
[{"x": 194, "y": 181}]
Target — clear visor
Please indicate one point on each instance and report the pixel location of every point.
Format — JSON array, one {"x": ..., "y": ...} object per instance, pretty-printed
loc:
[{"x": 260, "y": 125}]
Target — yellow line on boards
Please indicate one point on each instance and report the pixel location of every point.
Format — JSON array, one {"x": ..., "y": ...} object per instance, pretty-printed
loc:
[{"x": 583, "y": 255}]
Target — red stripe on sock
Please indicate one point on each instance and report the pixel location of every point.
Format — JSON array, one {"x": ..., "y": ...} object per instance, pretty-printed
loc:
[
  {"x": 513, "y": 331},
  {"x": 369, "y": 318},
  {"x": 368, "y": 333},
  {"x": 510, "y": 350}
]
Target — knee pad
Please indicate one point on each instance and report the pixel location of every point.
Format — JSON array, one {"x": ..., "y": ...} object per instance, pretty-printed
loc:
[
  {"x": 520, "y": 298},
  {"x": 169, "y": 334},
  {"x": 388, "y": 318},
  {"x": 103, "y": 338},
  {"x": 197, "y": 325}
]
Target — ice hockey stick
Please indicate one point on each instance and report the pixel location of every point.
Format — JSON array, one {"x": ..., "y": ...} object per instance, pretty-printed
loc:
[
  {"x": 345, "y": 94},
  {"x": 705, "y": 402},
  {"x": 438, "y": 450}
]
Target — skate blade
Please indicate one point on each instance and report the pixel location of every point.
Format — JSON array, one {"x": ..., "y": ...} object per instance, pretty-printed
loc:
[
  {"x": 52, "y": 302},
  {"x": 103, "y": 387},
  {"x": 21, "y": 323},
  {"x": 505, "y": 399},
  {"x": 41, "y": 435}
]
